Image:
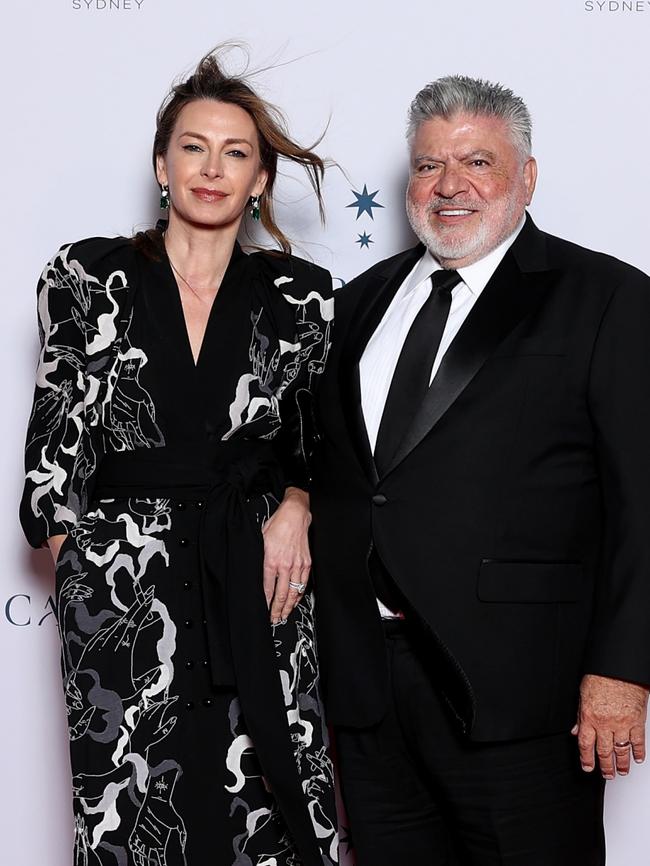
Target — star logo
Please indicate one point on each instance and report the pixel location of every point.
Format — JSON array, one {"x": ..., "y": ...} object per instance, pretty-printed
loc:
[
  {"x": 365, "y": 202},
  {"x": 364, "y": 241}
]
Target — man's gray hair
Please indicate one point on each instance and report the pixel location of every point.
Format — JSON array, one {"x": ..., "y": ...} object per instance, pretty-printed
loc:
[{"x": 456, "y": 94}]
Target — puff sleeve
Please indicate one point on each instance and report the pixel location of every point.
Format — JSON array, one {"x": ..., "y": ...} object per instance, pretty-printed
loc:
[
  {"x": 77, "y": 319},
  {"x": 307, "y": 290}
]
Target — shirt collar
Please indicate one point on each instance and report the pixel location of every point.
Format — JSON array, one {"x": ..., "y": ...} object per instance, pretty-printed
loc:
[{"x": 475, "y": 276}]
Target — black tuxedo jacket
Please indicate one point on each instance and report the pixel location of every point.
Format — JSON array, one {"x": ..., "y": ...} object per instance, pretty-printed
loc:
[{"x": 515, "y": 518}]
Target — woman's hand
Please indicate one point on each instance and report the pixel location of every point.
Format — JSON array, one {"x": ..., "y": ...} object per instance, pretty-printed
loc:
[
  {"x": 54, "y": 543},
  {"x": 286, "y": 553}
]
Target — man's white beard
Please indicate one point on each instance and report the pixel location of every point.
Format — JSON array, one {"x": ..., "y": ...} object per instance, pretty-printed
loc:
[{"x": 453, "y": 248}]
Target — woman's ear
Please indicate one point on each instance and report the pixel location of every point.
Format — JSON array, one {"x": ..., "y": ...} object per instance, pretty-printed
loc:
[
  {"x": 161, "y": 170},
  {"x": 262, "y": 178}
]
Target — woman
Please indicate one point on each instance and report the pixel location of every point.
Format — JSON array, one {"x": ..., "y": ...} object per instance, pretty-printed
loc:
[{"x": 166, "y": 469}]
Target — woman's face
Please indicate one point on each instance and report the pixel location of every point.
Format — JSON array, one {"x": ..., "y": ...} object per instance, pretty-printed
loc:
[{"x": 212, "y": 165}]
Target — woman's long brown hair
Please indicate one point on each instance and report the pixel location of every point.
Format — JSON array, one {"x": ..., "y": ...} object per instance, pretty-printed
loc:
[{"x": 209, "y": 81}]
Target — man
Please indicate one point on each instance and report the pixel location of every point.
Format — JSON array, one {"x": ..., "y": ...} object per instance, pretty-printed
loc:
[{"x": 481, "y": 508}]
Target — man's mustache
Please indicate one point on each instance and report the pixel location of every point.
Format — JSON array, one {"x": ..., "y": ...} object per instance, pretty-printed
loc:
[{"x": 437, "y": 204}]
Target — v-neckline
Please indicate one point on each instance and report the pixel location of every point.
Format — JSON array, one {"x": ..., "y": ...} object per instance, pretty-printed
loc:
[
  {"x": 188, "y": 342},
  {"x": 237, "y": 253}
]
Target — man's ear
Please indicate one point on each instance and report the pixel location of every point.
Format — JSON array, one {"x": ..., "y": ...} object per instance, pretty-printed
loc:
[{"x": 530, "y": 177}]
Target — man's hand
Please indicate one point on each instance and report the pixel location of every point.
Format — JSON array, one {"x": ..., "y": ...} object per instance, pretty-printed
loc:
[{"x": 611, "y": 721}]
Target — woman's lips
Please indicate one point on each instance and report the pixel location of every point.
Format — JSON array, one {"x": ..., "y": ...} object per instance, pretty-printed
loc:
[{"x": 208, "y": 195}]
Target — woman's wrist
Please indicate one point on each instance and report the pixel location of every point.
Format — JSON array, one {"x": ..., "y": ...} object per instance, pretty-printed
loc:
[
  {"x": 298, "y": 498},
  {"x": 54, "y": 542},
  {"x": 297, "y": 494}
]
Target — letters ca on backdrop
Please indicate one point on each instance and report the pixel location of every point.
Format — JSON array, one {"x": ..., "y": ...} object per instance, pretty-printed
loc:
[{"x": 20, "y": 610}]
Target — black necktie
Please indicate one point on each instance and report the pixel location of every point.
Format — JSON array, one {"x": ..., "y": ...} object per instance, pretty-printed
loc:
[{"x": 410, "y": 381}]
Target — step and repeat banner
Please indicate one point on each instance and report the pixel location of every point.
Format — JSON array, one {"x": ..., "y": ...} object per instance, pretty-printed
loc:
[{"x": 82, "y": 82}]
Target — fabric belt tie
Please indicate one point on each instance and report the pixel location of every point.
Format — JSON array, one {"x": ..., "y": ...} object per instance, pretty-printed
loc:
[{"x": 231, "y": 557}]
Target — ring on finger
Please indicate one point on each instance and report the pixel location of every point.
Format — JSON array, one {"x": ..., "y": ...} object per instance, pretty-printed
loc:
[
  {"x": 299, "y": 587},
  {"x": 622, "y": 745}
]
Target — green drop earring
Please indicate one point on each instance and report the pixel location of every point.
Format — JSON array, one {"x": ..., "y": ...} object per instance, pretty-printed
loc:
[
  {"x": 164, "y": 197},
  {"x": 255, "y": 207}
]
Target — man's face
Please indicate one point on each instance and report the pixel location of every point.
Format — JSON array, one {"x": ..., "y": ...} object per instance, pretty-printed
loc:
[{"x": 468, "y": 188}]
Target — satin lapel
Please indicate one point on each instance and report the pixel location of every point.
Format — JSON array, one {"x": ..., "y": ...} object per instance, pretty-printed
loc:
[
  {"x": 369, "y": 312},
  {"x": 505, "y": 301}
]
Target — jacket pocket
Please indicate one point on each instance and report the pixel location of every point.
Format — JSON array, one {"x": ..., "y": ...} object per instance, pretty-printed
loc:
[{"x": 517, "y": 582}]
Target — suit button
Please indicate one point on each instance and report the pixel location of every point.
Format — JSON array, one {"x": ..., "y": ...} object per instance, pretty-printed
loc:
[
  {"x": 204, "y": 663},
  {"x": 187, "y": 584},
  {"x": 379, "y": 499},
  {"x": 199, "y": 503},
  {"x": 207, "y": 702},
  {"x": 188, "y": 623},
  {"x": 189, "y": 705},
  {"x": 189, "y": 665},
  {"x": 183, "y": 542},
  {"x": 180, "y": 505}
]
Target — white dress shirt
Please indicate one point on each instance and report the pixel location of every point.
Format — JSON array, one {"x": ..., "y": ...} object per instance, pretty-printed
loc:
[{"x": 379, "y": 359}]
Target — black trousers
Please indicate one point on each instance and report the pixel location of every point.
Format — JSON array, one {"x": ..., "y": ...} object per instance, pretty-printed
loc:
[{"x": 417, "y": 792}]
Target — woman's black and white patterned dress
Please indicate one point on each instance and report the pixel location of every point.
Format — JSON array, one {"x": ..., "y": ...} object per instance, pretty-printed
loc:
[{"x": 196, "y": 729}]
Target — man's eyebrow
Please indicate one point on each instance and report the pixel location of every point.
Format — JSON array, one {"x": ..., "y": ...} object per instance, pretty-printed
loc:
[
  {"x": 481, "y": 154},
  {"x": 472, "y": 154}
]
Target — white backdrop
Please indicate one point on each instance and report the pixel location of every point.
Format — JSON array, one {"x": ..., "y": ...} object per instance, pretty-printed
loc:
[{"x": 82, "y": 81}]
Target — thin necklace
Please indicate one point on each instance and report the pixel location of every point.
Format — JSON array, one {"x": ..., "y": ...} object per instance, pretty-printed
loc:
[{"x": 194, "y": 291}]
